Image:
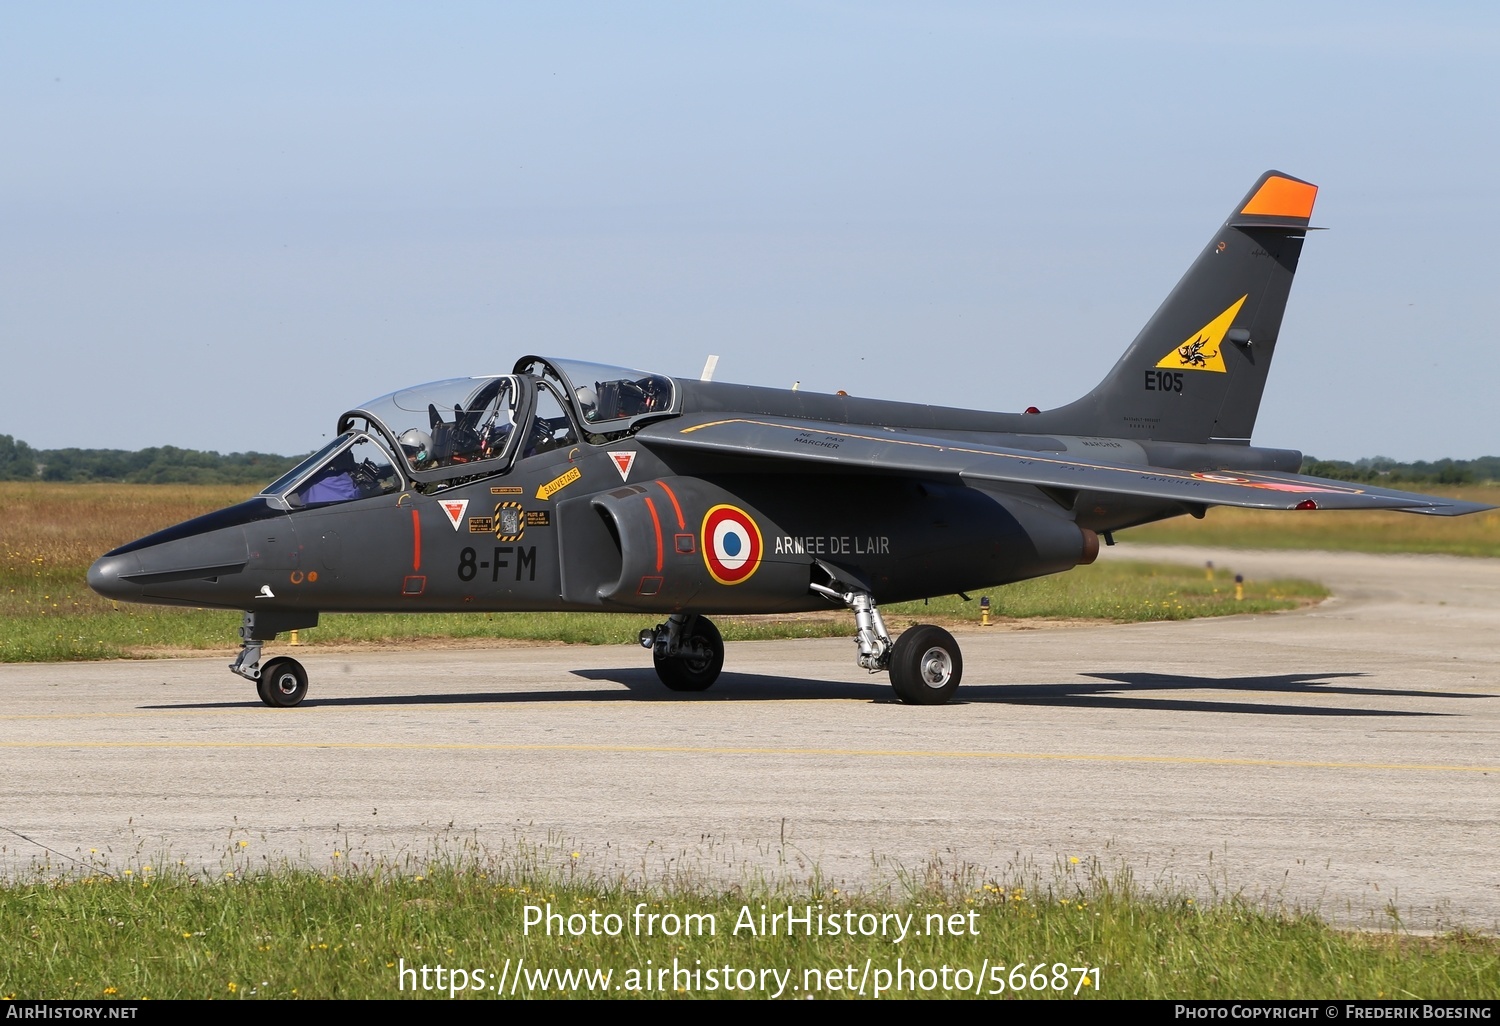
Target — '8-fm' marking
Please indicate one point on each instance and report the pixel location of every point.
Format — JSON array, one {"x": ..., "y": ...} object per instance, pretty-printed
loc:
[{"x": 732, "y": 544}]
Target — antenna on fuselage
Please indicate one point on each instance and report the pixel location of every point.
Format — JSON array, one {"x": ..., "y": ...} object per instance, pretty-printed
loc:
[{"x": 708, "y": 369}]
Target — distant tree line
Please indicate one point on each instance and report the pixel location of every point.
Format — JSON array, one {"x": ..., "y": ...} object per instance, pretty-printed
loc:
[
  {"x": 1383, "y": 470},
  {"x": 165, "y": 464},
  {"x": 168, "y": 464}
]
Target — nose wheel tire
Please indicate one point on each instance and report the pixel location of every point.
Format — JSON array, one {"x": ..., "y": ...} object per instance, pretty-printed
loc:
[
  {"x": 699, "y": 662},
  {"x": 282, "y": 683},
  {"x": 926, "y": 666}
]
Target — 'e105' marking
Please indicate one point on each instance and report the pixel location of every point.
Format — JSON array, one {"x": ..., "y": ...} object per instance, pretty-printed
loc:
[
  {"x": 469, "y": 563},
  {"x": 1163, "y": 381}
]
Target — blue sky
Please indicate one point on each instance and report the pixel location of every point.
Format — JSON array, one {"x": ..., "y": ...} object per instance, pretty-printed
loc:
[{"x": 221, "y": 225}]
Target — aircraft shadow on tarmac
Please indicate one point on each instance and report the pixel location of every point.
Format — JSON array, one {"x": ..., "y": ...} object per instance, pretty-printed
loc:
[
  {"x": 1118, "y": 692},
  {"x": 1127, "y": 690}
]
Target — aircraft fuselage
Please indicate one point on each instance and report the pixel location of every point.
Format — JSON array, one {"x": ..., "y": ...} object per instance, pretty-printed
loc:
[{"x": 569, "y": 530}]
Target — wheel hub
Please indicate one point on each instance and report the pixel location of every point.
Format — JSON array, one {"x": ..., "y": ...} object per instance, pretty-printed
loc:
[
  {"x": 696, "y": 655},
  {"x": 937, "y": 667}
]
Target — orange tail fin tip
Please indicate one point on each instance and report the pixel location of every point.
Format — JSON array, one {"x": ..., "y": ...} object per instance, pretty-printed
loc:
[{"x": 1282, "y": 197}]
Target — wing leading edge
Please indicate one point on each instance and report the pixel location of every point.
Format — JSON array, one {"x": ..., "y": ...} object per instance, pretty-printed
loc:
[{"x": 903, "y": 453}]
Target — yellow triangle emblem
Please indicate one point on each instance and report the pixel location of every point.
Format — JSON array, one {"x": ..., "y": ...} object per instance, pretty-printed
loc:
[{"x": 1204, "y": 350}]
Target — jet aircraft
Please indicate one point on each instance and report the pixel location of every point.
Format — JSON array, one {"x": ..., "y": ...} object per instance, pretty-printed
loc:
[{"x": 573, "y": 486}]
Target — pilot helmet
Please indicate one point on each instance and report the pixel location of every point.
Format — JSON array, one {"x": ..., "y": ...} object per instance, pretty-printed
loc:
[
  {"x": 588, "y": 400},
  {"x": 417, "y": 444}
]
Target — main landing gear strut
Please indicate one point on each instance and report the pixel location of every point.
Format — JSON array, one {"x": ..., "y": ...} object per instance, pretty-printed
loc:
[
  {"x": 924, "y": 662},
  {"x": 281, "y": 682},
  {"x": 687, "y": 650}
]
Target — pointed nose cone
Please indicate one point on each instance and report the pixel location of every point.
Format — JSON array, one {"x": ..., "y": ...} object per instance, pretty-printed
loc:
[{"x": 107, "y": 574}]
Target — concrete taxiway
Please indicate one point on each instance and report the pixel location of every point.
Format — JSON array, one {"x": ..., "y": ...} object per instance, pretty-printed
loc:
[{"x": 1342, "y": 758}]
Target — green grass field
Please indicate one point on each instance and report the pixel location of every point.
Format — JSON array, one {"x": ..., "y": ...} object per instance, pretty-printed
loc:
[
  {"x": 53, "y": 533},
  {"x": 235, "y": 933},
  {"x": 1477, "y": 534}
]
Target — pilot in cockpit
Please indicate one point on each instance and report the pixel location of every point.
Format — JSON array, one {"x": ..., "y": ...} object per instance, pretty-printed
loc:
[
  {"x": 417, "y": 446},
  {"x": 334, "y": 483},
  {"x": 462, "y": 440},
  {"x": 621, "y": 398},
  {"x": 588, "y": 402},
  {"x": 356, "y": 472}
]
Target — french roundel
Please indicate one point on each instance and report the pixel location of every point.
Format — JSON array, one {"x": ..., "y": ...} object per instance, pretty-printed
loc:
[{"x": 731, "y": 544}]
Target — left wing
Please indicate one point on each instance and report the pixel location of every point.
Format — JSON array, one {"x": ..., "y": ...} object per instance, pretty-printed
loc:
[{"x": 902, "y": 452}]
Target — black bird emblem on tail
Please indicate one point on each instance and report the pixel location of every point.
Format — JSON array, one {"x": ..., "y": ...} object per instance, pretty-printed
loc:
[{"x": 1192, "y": 354}]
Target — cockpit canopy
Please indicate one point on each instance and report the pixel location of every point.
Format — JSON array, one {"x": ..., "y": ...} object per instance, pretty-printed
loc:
[
  {"x": 456, "y": 425},
  {"x": 609, "y": 401},
  {"x": 462, "y": 428}
]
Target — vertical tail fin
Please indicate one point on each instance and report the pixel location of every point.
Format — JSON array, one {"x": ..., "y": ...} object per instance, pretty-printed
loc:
[{"x": 1196, "y": 371}]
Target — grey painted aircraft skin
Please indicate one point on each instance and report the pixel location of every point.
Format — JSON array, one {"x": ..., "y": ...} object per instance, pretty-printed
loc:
[{"x": 571, "y": 486}]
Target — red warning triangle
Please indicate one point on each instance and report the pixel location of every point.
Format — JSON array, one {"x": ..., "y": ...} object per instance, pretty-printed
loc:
[
  {"x": 623, "y": 462},
  {"x": 455, "y": 510}
]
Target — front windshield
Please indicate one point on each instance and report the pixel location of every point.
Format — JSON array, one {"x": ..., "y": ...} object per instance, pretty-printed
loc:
[
  {"x": 298, "y": 472},
  {"x": 352, "y": 466},
  {"x": 449, "y": 423}
]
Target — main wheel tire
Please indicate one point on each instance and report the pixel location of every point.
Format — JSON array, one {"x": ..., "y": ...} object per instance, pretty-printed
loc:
[
  {"x": 282, "y": 683},
  {"x": 926, "y": 666},
  {"x": 700, "y": 662}
]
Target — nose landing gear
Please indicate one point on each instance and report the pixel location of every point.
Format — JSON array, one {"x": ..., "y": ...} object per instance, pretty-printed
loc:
[{"x": 281, "y": 682}]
